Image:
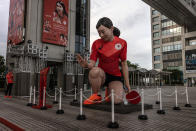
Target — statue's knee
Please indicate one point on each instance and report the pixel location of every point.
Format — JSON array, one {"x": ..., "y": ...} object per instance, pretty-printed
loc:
[{"x": 94, "y": 73}]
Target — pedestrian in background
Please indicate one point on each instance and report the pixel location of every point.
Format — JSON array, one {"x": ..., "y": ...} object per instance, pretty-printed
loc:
[{"x": 9, "y": 82}]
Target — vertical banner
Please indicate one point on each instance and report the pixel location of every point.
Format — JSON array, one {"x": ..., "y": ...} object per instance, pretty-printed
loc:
[
  {"x": 55, "y": 22},
  {"x": 16, "y": 22},
  {"x": 190, "y": 56}
]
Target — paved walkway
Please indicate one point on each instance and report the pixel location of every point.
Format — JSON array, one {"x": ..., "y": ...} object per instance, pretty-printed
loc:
[{"x": 16, "y": 111}]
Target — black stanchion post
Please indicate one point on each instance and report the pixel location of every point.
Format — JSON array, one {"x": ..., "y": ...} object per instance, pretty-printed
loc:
[
  {"x": 187, "y": 99},
  {"x": 81, "y": 116},
  {"x": 75, "y": 101},
  {"x": 142, "y": 116},
  {"x": 60, "y": 111},
  {"x": 34, "y": 97},
  {"x": 55, "y": 94},
  {"x": 158, "y": 101},
  {"x": 30, "y": 103},
  {"x": 161, "y": 111},
  {"x": 44, "y": 98},
  {"x": 113, "y": 124},
  {"x": 176, "y": 94}
]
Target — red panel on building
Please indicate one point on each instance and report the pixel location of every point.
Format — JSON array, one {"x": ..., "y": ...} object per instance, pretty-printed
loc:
[
  {"x": 55, "y": 22},
  {"x": 16, "y": 22}
]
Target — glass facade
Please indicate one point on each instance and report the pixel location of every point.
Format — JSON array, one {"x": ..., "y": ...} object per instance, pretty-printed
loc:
[
  {"x": 155, "y": 19},
  {"x": 156, "y": 27},
  {"x": 172, "y": 47},
  {"x": 172, "y": 56},
  {"x": 192, "y": 42},
  {"x": 168, "y": 24},
  {"x": 157, "y": 50},
  {"x": 171, "y": 39},
  {"x": 157, "y": 66},
  {"x": 172, "y": 31},
  {"x": 163, "y": 17},
  {"x": 156, "y": 42},
  {"x": 155, "y": 12},
  {"x": 81, "y": 22},
  {"x": 156, "y": 34},
  {"x": 174, "y": 64},
  {"x": 157, "y": 58}
]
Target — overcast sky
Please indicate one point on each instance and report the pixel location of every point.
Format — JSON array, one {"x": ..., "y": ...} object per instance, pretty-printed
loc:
[{"x": 132, "y": 17}]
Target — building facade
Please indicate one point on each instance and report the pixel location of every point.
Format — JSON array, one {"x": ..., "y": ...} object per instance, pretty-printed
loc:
[
  {"x": 182, "y": 12},
  {"x": 166, "y": 42},
  {"x": 51, "y": 33}
]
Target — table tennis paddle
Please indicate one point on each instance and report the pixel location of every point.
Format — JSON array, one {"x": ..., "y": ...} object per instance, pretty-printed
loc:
[{"x": 133, "y": 97}]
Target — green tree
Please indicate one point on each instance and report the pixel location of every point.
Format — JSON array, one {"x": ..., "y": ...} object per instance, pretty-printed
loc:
[
  {"x": 2, "y": 65},
  {"x": 2, "y": 71},
  {"x": 133, "y": 65}
]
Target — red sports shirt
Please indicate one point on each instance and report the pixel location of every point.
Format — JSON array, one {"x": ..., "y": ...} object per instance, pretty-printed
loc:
[{"x": 109, "y": 54}]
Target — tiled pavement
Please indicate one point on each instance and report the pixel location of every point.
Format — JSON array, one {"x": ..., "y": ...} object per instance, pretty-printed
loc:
[{"x": 16, "y": 111}]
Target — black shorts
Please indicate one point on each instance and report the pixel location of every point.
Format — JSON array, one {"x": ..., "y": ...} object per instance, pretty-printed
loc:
[{"x": 109, "y": 78}]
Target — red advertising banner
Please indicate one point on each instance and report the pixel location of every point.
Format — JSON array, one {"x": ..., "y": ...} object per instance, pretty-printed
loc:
[
  {"x": 55, "y": 22},
  {"x": 16, "y": 22}
]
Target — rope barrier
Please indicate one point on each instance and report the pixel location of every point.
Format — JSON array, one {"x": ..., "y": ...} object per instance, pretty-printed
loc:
[
  {"x": 182, "y": 92},
  {"x": 68, "y": 91},
  {"x": 168, "y": 95},
  {"x": 49, "y": 95}
]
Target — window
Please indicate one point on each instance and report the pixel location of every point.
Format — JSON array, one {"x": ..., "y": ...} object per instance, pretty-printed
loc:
[
  {"x": 155, "y": 12},
  {"x": 156, "y": 27},
  {"x": 157, "y": 58},
  {"x": 163, "y": 17},
  {"x": 155, "y": 19},
  {"x": 157, "y": 66},
  {"x": 172, "y": 47},
  {"x": 157, "y": 50},
  {"x": 172, "y": 31},
  {"x": 156, "y": 34},
  {"x": 156, "y": 42},
  {"x": 192, "y": 42},
  {"x": 168, "y": 24}
]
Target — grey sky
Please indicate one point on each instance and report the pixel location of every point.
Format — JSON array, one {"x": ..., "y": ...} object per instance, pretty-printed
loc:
[
  {"x": 4, "y": 12},
  {"x": 132, "y": 17}
]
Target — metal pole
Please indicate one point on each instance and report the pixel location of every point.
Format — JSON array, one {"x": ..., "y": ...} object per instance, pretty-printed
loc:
[
  {"x": 138, "y": 78},
  {"x": 158, "y": 93},
  {"x": 75, "y": 93},
  {"x": 34, "y": 95},
  {"x": 81, "y": 110},
  {"x": 160, "y": 99},
  {"x": 60, "y": 95},
  {"x": 187, "y": 97},
  {"x": 112, "y": 106},
  {"x": 55, "y": 95},
  {"x": 176, "y": 97},
  {"x": 142, "y": 101},
  {"x": 133, "y": 79},
  {"x": 30, "y": 94},
  {"x": 44, "y": 96}
]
